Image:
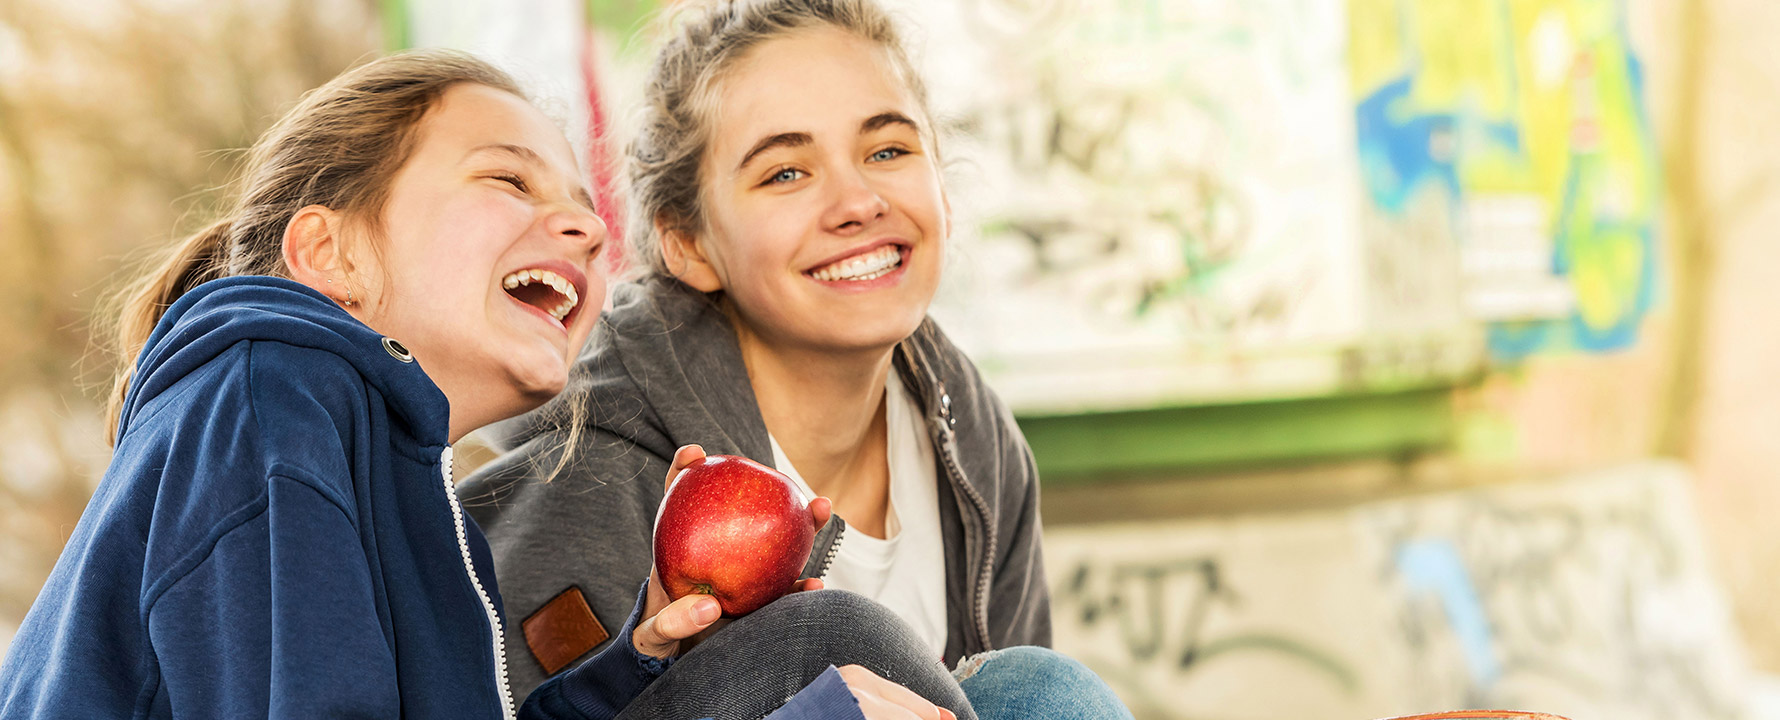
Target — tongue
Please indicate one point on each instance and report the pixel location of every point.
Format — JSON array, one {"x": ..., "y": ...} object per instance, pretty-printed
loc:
[{"x": 538, "y": 295}]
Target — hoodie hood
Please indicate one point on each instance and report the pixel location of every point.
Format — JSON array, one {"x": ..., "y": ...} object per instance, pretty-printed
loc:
[{"x": 213, "y": 317}]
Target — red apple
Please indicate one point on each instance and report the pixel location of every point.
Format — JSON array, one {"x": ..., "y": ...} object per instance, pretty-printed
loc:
[{"x": 733, "y": 529}]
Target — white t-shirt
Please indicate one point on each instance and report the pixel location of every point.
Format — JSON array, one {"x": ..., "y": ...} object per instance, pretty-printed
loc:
[{"x": 905, "y": 571}]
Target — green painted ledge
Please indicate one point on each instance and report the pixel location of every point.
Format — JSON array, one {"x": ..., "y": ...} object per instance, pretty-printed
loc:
[
  {"x": 394, "y": 14},
  {"x": 1087, "y": 448}
]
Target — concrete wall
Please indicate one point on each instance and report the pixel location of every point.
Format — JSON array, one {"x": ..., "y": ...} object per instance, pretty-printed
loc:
[{"x": 1588, "y": 596}]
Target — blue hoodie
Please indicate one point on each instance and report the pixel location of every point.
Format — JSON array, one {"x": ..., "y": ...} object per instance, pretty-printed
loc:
[{"x": 278, "y": 536}]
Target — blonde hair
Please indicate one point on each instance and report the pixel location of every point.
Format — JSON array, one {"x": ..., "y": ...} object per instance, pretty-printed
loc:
[
  {"x": 662, "y": 162},
  {"x": 340, "y": 147}
]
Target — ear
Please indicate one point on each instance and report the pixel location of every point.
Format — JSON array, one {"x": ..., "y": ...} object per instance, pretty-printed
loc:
[
  {"x": 313, "y": 251},
  {"x": 686, "y": 259}
]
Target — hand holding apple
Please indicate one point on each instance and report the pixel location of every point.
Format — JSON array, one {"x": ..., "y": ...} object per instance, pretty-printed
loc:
[{"x": 667, "y": 623}]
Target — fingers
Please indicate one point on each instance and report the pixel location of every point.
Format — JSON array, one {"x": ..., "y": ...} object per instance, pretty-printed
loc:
[
  {"x": 820, "y": 510},
  {"x": 660, "y": 634},
  {"x": 686, "y": 455},
  {"x": 808, "y": 584},
  {"x": 880, "y": 699}
]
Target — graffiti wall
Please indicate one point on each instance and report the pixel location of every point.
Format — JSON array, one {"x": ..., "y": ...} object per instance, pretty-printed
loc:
[
  {"x": 1516, "y": 131},
  {"x": 1588, "y": 597},
  {"x": 1189, "y": 202},
  {"x": 1160, "y": 201}
]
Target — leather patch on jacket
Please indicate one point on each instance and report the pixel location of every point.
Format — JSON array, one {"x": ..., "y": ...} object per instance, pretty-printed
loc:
[{"x": 562, "y": 630}]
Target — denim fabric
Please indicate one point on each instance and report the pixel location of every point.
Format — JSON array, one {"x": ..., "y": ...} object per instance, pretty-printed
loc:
[
  {"x": 752, "y": 666},
  {"x": 1034, "y": 683}
]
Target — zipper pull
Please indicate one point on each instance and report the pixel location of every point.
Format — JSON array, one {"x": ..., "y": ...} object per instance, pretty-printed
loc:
[{"x": 943, "y": 429}]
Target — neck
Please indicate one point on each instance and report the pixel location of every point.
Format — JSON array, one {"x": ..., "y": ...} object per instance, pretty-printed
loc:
[
  {"x": 465, "y": 416},
  {"x": 476, "y": 404},
  {"x": 827, "y": 413}
]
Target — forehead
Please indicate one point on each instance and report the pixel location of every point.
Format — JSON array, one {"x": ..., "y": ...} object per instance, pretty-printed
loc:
[
  {"x": 807, "y": 81},
  {"x": 469, "y": 116}
]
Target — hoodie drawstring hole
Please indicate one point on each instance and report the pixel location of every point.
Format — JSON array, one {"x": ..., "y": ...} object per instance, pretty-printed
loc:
[{"x": 397, "y": 351}]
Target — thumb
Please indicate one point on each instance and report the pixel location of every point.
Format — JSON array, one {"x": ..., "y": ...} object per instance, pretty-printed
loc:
[{"x": 660, "y": 635}]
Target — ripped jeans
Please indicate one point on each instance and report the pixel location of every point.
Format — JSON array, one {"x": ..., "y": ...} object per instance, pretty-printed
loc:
[
  {"x": 748, "y": 669},
  {"x": 1034, "y": 682}
]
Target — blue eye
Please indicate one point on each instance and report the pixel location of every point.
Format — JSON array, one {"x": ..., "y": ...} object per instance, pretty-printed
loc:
[
  {"x": 888, "y": 154},
  {"x": 785, "y": 175}
]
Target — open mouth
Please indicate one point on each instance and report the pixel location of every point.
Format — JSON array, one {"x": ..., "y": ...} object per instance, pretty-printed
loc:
[
  {"x": 867, "y": 266},
  {"x": 547, "y": 291}
]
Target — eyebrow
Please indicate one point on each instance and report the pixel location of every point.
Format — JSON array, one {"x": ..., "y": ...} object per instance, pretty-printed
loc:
[
  {"x": 528, "y": 155},
  {"x": 884, "y": 119},
  {"x": 790, "y": 139}
]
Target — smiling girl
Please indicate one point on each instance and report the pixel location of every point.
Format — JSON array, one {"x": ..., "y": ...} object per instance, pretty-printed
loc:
[
  {"x": 411, "y": 255},
  {"x": 790, "y": 220}
]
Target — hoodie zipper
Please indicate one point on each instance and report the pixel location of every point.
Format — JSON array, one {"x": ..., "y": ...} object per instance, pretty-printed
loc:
[
  {"x": 985, "y": 574},
  {"x": 834, "y": 548},
  {"x": 978, "y": 598},
  {"x": 494, "y": 618}
]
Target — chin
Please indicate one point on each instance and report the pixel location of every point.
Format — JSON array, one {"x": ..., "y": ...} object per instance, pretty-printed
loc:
[
  {"x": 877, "y": 338},
  {"x": 538, "y": 386}
]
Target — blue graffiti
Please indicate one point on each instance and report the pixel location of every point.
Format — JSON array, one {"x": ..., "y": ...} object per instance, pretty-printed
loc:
[{"x": 1433, "y": 566}]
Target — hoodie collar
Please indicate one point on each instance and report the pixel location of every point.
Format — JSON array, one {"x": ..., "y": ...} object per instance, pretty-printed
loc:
[{"x": 214, "y": 316}]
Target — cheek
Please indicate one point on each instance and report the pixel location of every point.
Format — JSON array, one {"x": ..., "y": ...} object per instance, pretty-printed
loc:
[{"x": 923, "y": 199}]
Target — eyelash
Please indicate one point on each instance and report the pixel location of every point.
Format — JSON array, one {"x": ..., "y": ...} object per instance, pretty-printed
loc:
[
  {"x": 514, "y": 180},
  {"x": 773, "y": 179}
]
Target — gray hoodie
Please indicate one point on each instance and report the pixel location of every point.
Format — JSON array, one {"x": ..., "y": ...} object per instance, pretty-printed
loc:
[{"x": 663, "y": 370}]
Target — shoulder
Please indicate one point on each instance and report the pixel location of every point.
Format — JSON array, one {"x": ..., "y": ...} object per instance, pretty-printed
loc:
[
  {"x": 261, "y": 387},
  {"x": 309, "y": 406},
  {"x": 657, "y": 305},
  {"x": 202, "y": 457}
]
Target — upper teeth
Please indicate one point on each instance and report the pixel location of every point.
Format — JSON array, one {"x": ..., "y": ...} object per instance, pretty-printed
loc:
[
  {"x": 561, "y": 285},
  {"x": 874, "y": 264}
]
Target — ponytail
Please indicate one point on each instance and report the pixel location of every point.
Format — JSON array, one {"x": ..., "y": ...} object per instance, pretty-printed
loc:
[{"x": 193, "y": 262}]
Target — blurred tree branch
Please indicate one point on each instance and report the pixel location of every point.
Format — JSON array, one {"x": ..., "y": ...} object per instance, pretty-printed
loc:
[{"x": 120, "y": 125}]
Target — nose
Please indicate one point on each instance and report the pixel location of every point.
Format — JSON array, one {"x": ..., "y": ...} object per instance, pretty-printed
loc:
[
  {"x": 577, "y": 224},
  {"x": 856, "y": 203}
]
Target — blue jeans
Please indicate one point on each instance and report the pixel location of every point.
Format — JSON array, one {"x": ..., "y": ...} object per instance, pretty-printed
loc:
[
  {"x": 749, "y": 668},
  {"x": 1035, "y": 682}
]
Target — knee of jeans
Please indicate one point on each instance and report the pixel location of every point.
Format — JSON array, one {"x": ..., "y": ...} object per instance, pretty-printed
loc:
[
  {"x": 1029, "y": 663},
  {"x": 835, "y": 608}
]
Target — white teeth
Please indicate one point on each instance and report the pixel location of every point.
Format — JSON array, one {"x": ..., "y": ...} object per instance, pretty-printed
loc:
[
  {"x": 560, "y": 284},
  {"x": 870, "y": 266}
]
